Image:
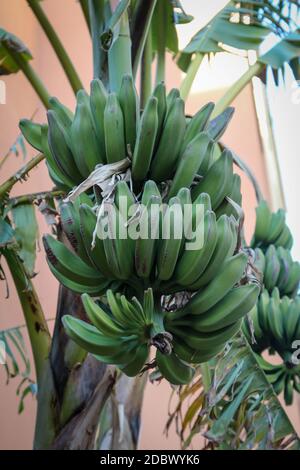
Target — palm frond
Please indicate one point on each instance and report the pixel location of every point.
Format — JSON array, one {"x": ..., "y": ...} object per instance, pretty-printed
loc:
[
  {"x": 245, "y": 25},
  {"x": 240, "y": 410}
]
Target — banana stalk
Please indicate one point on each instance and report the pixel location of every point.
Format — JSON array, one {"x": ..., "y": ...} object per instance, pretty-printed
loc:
[
  {"x": 57, "y": 45},
  {"x": 34, "y": 316},
  {"x": 188, "y": 80}
]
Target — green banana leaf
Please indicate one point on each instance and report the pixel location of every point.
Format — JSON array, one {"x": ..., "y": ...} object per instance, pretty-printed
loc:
[
  {"x": 7, "y": 235},
  {"x": 284, "y": 51},
  {"x": 239, "y": 411},
  {"x": 10, "y": 45},
  {"x": 266, "y": 18},
  {"x": 163, "y": 27},
  {"x": 26, "y": 232},
  {"x": 17, "y": 363}
]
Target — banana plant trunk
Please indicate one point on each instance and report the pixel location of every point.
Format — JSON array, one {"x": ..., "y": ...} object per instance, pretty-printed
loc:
[{"x": 82, "y": 403}]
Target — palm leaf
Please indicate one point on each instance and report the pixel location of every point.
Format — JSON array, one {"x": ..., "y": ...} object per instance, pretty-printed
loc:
[
  {"x": 245, "y": 26},
  {"x": 239, "y": 411}
]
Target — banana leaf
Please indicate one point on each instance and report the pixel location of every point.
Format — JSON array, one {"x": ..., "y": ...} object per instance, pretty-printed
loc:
[
  {"x": 228, "y": 28},
  {"x": 10, "y": 45},
  {"x": 26, "y": 232},
  {"x": 17, "y": 363},
  {"x": 239, "y": 411},
  {"x": 7, "y": 235},
  {"x": 163, "y": 27}
]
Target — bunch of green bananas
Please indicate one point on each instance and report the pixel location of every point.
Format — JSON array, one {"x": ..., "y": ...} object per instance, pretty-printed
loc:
[
  {"x": 279, "y": 270},
  {"x": 160, "y": 141},
  {"x": 276, "y": 325},
  {"x": 271, "y": 228},
  {"x": 162, "y": 259},
  {"x": 122, "y": 333},
  {"x": 282, "y": 378},
  {"x": 174, "y": 161}
]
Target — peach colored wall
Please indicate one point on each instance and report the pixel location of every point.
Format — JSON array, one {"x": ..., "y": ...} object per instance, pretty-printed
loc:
[{"x": 22, "y": 102}]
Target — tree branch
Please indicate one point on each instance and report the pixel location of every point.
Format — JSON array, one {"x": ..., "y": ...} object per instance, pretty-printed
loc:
[{"x": 20, "y": 174}]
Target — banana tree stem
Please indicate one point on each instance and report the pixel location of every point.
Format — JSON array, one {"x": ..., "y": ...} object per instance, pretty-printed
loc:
[
  {"x": 57, "y": 45},
  {"x": 161, "y": 66},
  {"x": 188, "y": 80},
  {"x": 36, "y": 323},
  {"x": 85, "y": 10},
  {"x": 138, "y": 44},
  {"x": 237, "y": 87},
  {"x": 206, "y": 376},
  {"x": 146, "y": 72}
]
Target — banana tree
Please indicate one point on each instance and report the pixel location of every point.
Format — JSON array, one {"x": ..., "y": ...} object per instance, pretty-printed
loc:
[{"x": 82, "y": 396}]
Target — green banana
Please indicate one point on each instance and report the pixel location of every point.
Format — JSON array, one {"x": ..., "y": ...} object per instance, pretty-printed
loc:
[
  {"x": 272, "y": 268},
  {"x": 86, "y": 144},
  {"x": 145, "y": 248},
  {"x": 143, "y": 150},
  {"x": 95, "y": 252},
  {"x": 275, "y": 321},
  {"x": 60, "y": 150},
  {"x": 193, "y": 262},
  {"x": 290, "y": 321},
  {"x": 114, "y": 130},
  {"x": 169, "y": 247},
  {"x": 69, "y": 264},
  {"x": 224, "y": 249},
  {"x": 276, "y": 226},
  {"x": 239, "y": 301},
  {"x": 89, "y": 338},
  {"x": 198, "y": 123},
  {"x": 79, "y": 287},
  {"x": 60, "y": 178},
  {"x": 174, "y": 369},
  {"x": 64, "y": 114},
  {"x": 218, "y": 180},
  {"x": 263, "y": 222},
  {"x": 226, "y": 207},
  {"x": 166, "y": 156},
  {"x": 32, "y": 133},
  {"x": 69, "y": 216},
  {"x": 112, "y": 230},
  {"x": 150, "y": 189},
  {"x": 134, "y": 367},
  {"x": 129, "y": 102},
  {"x": 159, "y": 93},
  {"x": 232, "y": 272},
  {"x": 218, "y": 125},
  {"x": 288, "y": 390},
  {"x": 205, "y": 342},
  {"x": 292, "y": 284},
  {"x": 190, "y": 162},
  {"x": 98, "y": 100},
  {"x": 100, "y": 319}
]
